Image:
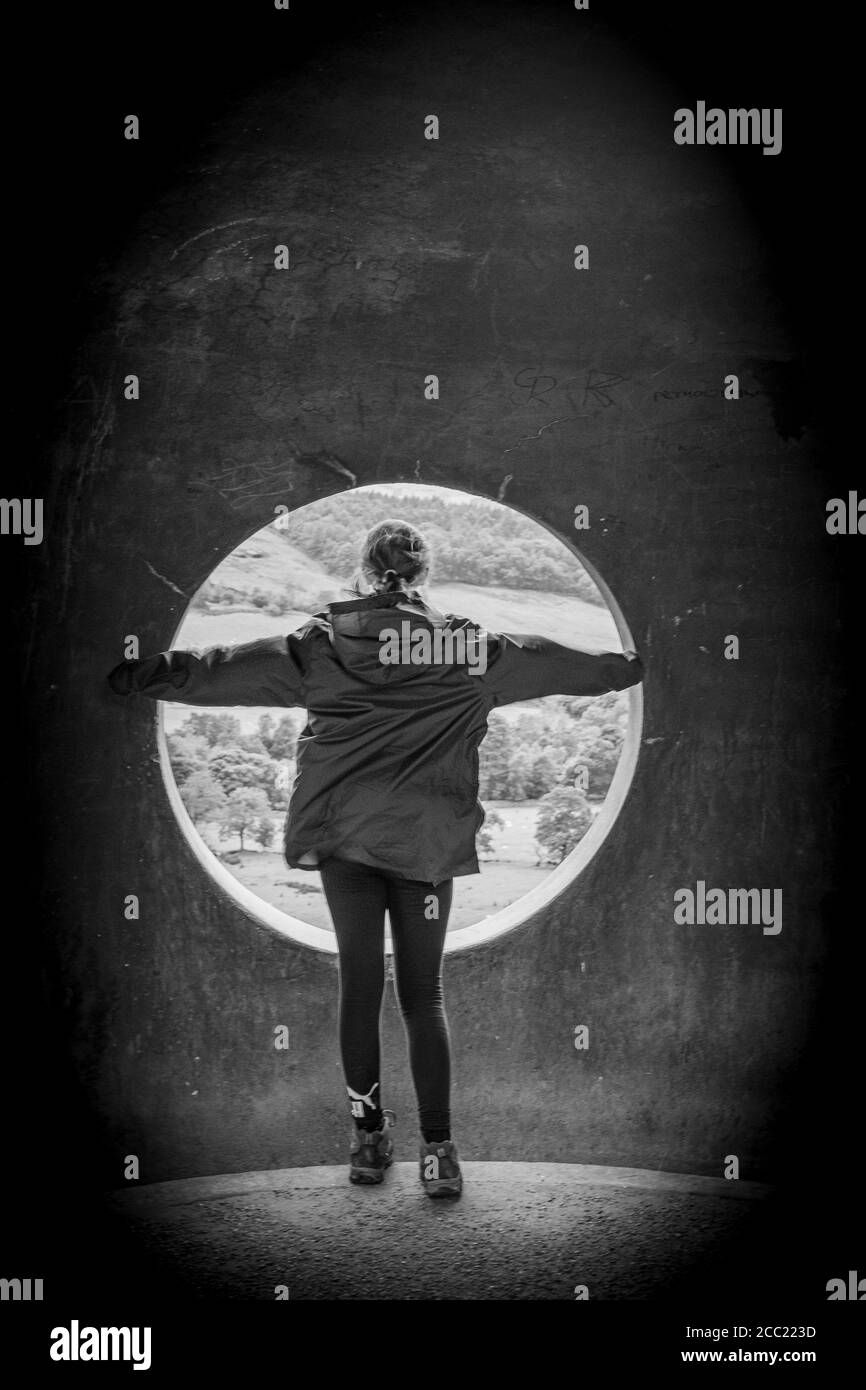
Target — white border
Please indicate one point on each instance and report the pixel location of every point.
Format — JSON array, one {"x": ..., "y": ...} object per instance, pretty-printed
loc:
[{"x": 508, "y": 919}]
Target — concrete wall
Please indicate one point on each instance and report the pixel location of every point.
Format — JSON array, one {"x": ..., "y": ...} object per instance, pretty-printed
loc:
[{"x": 261, "y": 387}]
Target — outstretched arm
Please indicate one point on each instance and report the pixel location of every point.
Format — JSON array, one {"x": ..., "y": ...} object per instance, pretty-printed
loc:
[
  {"x": 269, "y": 671},
  {"x": 521, "y": 666}
]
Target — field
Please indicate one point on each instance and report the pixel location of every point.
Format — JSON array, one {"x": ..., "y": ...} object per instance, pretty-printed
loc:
[
  {"x": 512, "y": 871},
  {"x": 300, "y": 894}
]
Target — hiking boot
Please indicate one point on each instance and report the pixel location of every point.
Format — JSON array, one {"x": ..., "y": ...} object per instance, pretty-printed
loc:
[
  {"x": 372, "y": 1151},
  {"x": 440, "y": 1171}
]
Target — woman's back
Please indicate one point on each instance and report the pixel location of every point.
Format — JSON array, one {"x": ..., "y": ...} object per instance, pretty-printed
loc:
[
  {"x": 388, "y": 762},
  {"x": 397, "y": 698}
]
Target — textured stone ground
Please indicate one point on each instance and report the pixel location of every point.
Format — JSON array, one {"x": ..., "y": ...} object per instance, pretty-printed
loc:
[{"x": 519, "y": 1231}]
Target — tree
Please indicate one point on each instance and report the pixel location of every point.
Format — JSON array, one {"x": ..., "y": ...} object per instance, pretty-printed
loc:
[
  {"x": 244, "y": 806},
  {"x": 528, "y": 725},
  {"x": 563, "y": 819},
  {"x": 251, "y": 743},
  {"x": 520, "y": 775},
  {"x": 484, "y": 838},
  {"x": 494, "y": 760},
  {"x": 203, "y": 797},
  {"x": 600, "y": 726},
  {"x": 263, "y": 831},
  {"x": 598, "y": 750},
  {"x": 609, "y": 708},
  {"x": 345, "y": 559},
  {"x": 283, "y": 740},
  {"x": 215, "y": 728},
  {"x": 600, "y": 757},
  {"x": 543, "y": 775},
  {"x": 240, "y": 767},
  {"x": 188, "y": 754}
]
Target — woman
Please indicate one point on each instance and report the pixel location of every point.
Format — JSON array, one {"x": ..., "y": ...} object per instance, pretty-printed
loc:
[{"x": 385, "y": 802}]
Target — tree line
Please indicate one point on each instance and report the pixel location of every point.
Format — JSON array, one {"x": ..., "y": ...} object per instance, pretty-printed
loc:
[
  {"x": 561, "y": 751},
  {"x": 471, "y": 542}
]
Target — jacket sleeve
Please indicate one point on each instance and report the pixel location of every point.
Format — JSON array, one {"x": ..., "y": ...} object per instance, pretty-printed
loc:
[
  {"x": 269, "y": 671},
  {"x": 521, "y": 666}
]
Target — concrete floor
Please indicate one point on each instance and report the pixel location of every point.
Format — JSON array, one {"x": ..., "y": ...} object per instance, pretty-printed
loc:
[{"x": 519, "y": 1231}]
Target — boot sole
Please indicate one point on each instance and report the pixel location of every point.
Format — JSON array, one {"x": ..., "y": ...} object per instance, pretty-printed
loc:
[
  {"x": 443, "y": 1187},
  {"x": 369, "y": 1176}
]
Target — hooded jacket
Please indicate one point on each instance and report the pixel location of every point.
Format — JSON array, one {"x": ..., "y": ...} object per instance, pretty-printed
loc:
[{"x": 397, "y": 699}]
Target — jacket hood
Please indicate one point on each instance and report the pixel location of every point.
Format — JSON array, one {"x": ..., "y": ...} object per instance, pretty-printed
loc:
[{"x": 391, "y": 638}]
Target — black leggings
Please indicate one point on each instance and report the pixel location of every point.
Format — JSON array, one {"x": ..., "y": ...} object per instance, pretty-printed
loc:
[{"x": 358, "y": 897}]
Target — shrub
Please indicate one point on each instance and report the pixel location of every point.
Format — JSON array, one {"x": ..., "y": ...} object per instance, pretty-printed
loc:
[{"x": 563, "y": 819}]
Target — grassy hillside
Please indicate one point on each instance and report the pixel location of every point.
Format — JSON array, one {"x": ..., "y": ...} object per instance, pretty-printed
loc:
[
  {"x": 274, "y": 567},
  {"x": 271, "y": 562},
  {"x": 567, "y": 620}
]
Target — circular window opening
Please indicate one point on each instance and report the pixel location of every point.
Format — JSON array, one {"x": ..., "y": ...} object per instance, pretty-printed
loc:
[{"x": 554, "y": 771}]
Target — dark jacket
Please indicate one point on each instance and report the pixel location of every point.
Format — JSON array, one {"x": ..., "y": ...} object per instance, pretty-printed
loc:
[{"x": 388, "y": 761}]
